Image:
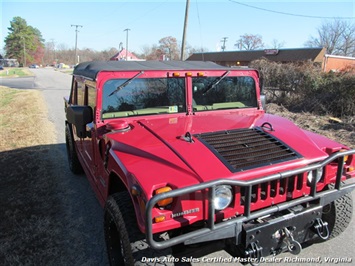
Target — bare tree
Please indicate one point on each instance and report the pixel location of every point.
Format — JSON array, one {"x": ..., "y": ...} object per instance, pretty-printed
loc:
[
  {"x": 192, "y": 50},
  {"x": 49, "y": 56},
  {"x": 249, "y": 42},
  {"x": 337, "y": 36},
  {"x": 152, "y": 52},
  {"x": 275, "y": 44},
  {"x": 348, "y": 36},
  {"x": 170, "y": 47},
  {"x": 146, "y": 51}
]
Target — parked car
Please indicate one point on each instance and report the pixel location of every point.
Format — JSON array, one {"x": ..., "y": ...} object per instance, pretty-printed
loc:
[
  {"x": 183, "y": 153},
  {"x": 33, "y": 66}
]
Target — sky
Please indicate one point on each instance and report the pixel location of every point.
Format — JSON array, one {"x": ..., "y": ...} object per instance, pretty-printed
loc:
[{"x": 103, "y": 24}]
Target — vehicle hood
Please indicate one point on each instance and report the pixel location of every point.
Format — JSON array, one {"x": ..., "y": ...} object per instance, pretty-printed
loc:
[{"x": 177, "y": 150}]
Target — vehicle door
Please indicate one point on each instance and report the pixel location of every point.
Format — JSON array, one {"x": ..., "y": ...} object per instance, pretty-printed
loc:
[{"x": 87, "y": 144}]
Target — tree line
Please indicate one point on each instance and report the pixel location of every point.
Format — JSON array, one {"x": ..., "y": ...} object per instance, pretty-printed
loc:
[{"x": 26, "y": 44}]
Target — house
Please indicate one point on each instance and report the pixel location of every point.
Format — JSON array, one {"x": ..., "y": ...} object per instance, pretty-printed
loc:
[
  {"x": 6, "y": 62},
  {"x": 124, "y": 55},
  {"x": 243, "y": 58},
  {"x": 337, "y": 63}
]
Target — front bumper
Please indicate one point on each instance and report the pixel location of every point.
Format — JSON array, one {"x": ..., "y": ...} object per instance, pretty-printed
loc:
[{"x": 233, "y": 228}]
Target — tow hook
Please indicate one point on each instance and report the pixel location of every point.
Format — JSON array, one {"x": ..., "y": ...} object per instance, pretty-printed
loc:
[
  {"x": 292, "y": 245},
  {"x": 321, "y": 228},
  {"x": 254, "y": 251}
]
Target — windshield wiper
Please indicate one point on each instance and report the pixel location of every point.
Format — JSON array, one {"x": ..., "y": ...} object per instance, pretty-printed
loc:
[
  {"x": 216, "y": 82},
  {"x": 124, "y": 84}
]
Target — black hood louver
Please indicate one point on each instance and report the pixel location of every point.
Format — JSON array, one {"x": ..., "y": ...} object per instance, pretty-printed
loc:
[{"x": 244, "y": 149}]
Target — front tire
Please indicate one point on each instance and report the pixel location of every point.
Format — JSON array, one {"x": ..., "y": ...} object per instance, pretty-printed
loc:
[
  {"x": 338, "y": 215},
  {"x": 125, "y": 243}
]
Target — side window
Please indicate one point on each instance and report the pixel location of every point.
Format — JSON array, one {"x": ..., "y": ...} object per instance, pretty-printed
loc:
[
  {"x": 81, "y": 94},
  {"x": 74, "y": 93},
  {"x": 91, "y": 97}
]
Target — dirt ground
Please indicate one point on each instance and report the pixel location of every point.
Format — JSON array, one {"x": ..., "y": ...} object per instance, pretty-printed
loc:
[{"x": 342, "y": 131}]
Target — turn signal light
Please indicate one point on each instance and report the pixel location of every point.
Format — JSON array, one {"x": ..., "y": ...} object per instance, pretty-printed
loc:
[
  {"x": 176, "y": 74},
  {"x": 135, "y": 191},
  {"x": 159, "y": 219},
  {"x": 346, "y": 157},
  {"x": 200, "y": 74},
  {"x": 164, "y": 202}
]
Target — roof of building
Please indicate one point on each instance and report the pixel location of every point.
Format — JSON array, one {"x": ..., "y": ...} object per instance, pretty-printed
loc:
[
  {"x": 340, "y": 57},
  {"x": 91, "y": 69},
  {"x": 278, "y": 55},
  {"x": 121, "y": 55}
]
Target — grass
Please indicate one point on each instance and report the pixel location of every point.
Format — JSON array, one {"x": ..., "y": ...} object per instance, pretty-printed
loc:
[
  {"x": 30, "y": 228},
  {"x": 42, "y": 219},
  {"x": 6, "y": 96},
  {"x": 22, "y": 112},
  {"x": 15, "y": 72}
]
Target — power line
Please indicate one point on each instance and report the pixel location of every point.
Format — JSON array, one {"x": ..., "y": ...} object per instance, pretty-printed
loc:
[
  {"x": 199, "y": 24},
  {"x": 138, "y": 17},
  {"x": 288, "y": 14}
]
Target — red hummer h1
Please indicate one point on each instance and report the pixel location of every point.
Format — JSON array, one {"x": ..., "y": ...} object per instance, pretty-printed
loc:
[{"x": 183, "y": 153}]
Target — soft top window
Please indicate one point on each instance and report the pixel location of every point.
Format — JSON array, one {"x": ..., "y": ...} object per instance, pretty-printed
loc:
[{"x": 143, "y": 96}]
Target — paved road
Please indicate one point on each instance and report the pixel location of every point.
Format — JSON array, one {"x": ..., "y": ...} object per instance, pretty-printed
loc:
[
  {"x": 18, "y": 83},
  {"x": 90, "y": 247}
]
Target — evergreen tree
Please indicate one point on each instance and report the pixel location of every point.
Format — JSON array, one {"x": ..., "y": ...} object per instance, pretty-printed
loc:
[{"x": 24, "y": 42}]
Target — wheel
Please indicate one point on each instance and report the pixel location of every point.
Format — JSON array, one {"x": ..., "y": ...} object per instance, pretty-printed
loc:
[
  {"x": 338, "y": 215},
  {"x": 74, "y": 163},
  {"x": 125, "y": 243}
]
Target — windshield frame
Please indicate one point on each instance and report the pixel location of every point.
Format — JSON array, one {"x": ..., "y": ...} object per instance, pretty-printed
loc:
[
  {"x": 140, "y": 96},
  {"x": 105, "y": 76}
]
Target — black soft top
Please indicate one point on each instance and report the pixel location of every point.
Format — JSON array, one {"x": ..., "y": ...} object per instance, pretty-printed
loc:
[{"x": 91, "y": 69}]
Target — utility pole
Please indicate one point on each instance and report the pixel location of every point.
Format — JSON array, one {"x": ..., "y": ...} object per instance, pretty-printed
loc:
[
  {"x": 184, "y": 33},
  {"x": 224, "y": 39},
  {"x": 24, "y": 51},
  {"x": 54, "y": 54},
  {"x": 126, "y": 30},
  {"x": 76, "y": 41}
]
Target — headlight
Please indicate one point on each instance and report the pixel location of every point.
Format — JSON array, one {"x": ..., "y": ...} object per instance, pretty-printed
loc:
[
  {"x": 222, "y": 197},
  {"x": 317, "y": 174}
]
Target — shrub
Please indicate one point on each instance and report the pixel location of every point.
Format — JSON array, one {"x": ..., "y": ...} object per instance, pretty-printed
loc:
[{"x": 304, "y": 87}]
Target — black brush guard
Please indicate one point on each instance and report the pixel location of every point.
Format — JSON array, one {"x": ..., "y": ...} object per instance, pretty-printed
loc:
[{"x": 233, "y": 227}]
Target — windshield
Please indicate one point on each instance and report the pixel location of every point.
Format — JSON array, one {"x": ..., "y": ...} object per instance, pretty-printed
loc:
[
  {"x": 214, "y": 93},
  {"x": 143, "y": 96}
]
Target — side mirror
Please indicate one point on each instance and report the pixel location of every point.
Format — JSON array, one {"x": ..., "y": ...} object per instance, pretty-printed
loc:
[
  {"x": 80, "y": 116},
  {"x": 261, "y": 83},
  {"x": 263, "y": 101}
]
